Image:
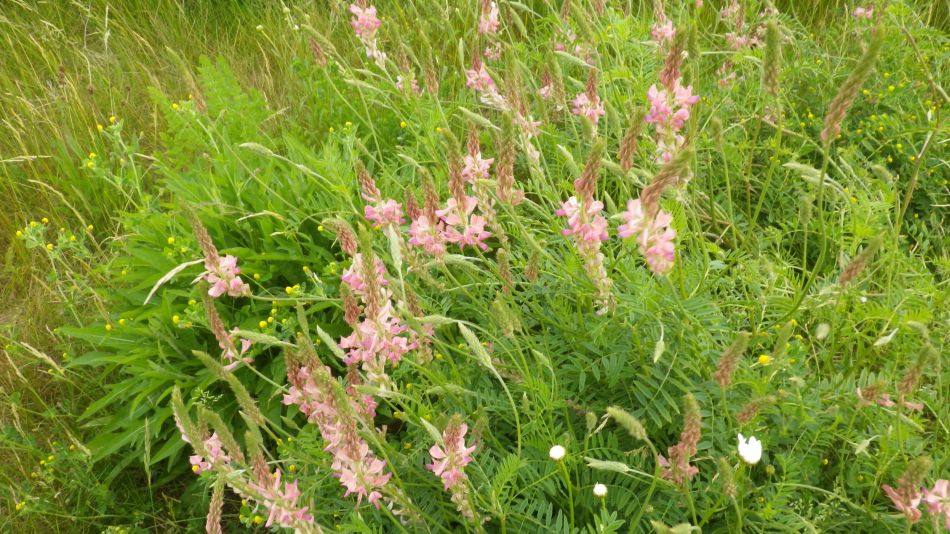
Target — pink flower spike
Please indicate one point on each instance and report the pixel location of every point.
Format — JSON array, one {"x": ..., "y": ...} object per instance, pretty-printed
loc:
[
  {"x": 863, "y": 12},
  {"x": 365, "y": 22},
  {"x": 583, "y": 106},
  {"x": 476, "y": 167},
  {"x": 384, "y": 213},
  {"x": 938, "y": 500},
  {"x": 905, "y": 503},
  {"x": 663, "y": 33},
  {"x": 478, "y": 79},
  {"x": 488, "y": 22}
]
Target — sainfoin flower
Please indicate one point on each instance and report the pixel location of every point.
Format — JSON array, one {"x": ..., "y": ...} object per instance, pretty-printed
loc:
[
  {"x": 448, "y": 462},
  {"x": 585, "y": 106},
  {"x": 654, "y": 236},
  {"x": 750, "y": 450},
  {"x": 223, "y": 276},
  {"x": 282, "y": 502},
  {"x": 427, "y": 234},
  {"x": 905, "y": 500},
  {"x": 364, "y": 22},
  {"x": 216, "y": 455},
  {"x": 677, "y": 467},
  {"x": 663, "y": 33},
  {"x": 461, "y": 226},
  {"x": 358, "y": 469},
  {"x": 475, "y": 167},
  {"x": 864, "y": 13},
  {"x": 488, "y": 21},
  {"x": 478, "y": 79},
  {"x": 384, "y": 213},
  {"x": 938, "y": 500}
]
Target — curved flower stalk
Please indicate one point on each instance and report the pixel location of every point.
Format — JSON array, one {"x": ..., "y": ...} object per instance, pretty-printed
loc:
[
  {"x": 365, "y": 23},
  {"x": 589, "y": 228},
  {"x": 358, "y": 469},
  {"x": 448, "y": 462}
]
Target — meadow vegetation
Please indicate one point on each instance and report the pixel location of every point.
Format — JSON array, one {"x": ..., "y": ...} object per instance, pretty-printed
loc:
[{"x": 493, "y": 266}]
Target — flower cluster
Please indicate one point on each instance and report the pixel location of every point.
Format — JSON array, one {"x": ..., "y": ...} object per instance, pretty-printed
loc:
[
  {"x": 653, "y": 235},
  {"x": 669, "y": 111},
  {"x": 938, "y": 500},
  {"x": 379, "y": 337},
  {"x": 589, "y": 229},
  {"x": 488, "y": 21},
  {"x": 216, "y": 455},
  {"x": 588, "y": 103},
  {"x": 449, "y": 461},
  {"x": 222, "y": 273},
  {"x": 365, "y": 23},
  {"x": 864, "y": 13},
  {"x": 358, "y": 469},
  {"x": 282, "y": 503}
]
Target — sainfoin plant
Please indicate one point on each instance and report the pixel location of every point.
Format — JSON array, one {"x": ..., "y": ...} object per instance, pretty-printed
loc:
[{"x": 543, "y": 274}]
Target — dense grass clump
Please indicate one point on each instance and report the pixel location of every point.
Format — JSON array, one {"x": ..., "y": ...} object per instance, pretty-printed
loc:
[{"x": 579, "y": 266}]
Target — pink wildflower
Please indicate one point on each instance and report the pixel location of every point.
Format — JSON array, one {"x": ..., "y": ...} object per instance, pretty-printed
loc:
[
  {"x": 905, "y": 501},
  {"x": 353, "y": 276},
  {"x": 427, "y": 234},
  {"x": 584, "y": 106},
  {"x": 198, "y": 464},
  {"x": 476, "y": 167},
  {"x": 478, "y": 79},
  {"x": 663, "y": 33},
  {"x": 282, "y": 503},
  {"x": 938, "y": 500},
  {"x": 449, "y": 461},
  {"x": 413, "y": 85},
  {"x": 358, "y": 469},
  {"x": 488, "y": 22},
  {"x": 231, "y": 352},
  {"x": 864, "y": 13},
  {"x": 215, "y": 455},
  {"x": 384, "y": 213},
  {"x": 224, "y": 278},
  {"x": 461, "y": 226},
  {"x": 492, "y": 51},
  {"x": 654, "y": 237},
  {"x": 365, "y": 22},
  {"x": 584, "y": 222}
]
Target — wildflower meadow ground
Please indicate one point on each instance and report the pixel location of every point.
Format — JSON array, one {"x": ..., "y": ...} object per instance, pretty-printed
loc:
[{"x": 554, "y": 266}]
